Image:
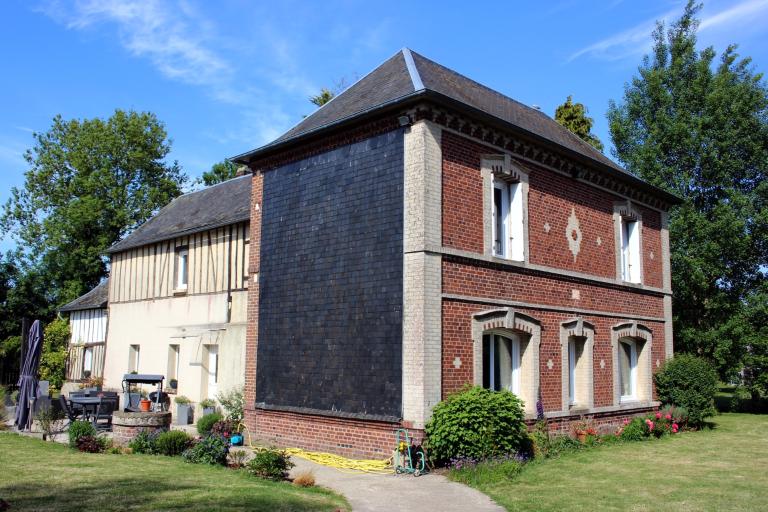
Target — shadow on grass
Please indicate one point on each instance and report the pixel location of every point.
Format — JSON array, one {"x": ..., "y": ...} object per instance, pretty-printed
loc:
[{"x": 136, "y": 493}]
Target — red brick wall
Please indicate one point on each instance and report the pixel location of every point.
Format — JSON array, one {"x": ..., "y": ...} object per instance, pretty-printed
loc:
[
  {"x": 551, "y": 198},
  {"x": 464, "y": 277},
  {"x": 462, "y": 193},
  {"x": 651, "y": 237},
  {"x": 457, "y": 342},
  {"x": 347, "y": 437}
]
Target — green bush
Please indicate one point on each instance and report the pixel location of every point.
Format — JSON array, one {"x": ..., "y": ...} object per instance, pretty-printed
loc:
[
  {"x": 270, "y": 464},
  {"x": 172, "y": 443},
  {"x": 145, "y": 442},
  {"x": 476, "y": 423},
  {"x": 211, "y": 450},
  {"x": 635, "y": 430},
  {"x": 80, "y": 429},
  {"x": 691, "y": 382},
  {"x": 232, "y": 403},
  {"x": 205, "y": 424}
]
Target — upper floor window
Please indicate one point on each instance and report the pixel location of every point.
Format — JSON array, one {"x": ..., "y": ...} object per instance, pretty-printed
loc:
[
  {"x": 630, "y": 250},
  {"x": 182, "y": 268},
  {"x": 507, "y": 208},
  {"x": 628, "y": 230}
]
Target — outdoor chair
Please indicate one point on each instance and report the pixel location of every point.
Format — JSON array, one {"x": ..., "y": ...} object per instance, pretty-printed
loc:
[
  {"x": 70, "y": 412},
  {"x": 104, "y": 411}
]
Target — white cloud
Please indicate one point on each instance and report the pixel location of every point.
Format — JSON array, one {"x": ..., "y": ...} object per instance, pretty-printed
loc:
[
  {"x": 176, "y": 41},
  {"x": 636, "y": 40},
  {"x": 12, "y": 154}
]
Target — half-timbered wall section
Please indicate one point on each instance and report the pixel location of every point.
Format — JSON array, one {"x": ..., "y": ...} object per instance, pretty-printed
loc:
[
  {"x": 88, "y": 326},
  {"x": 216, "y": 260}
]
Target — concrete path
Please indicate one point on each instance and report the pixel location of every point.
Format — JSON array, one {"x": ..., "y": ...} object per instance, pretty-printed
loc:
[{"x": 394, "y": 493}]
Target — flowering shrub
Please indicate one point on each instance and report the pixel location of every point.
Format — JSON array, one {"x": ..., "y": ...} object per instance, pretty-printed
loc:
[
  {"x": 669, "y": 420},
  {"x": 224, "y": 428}
]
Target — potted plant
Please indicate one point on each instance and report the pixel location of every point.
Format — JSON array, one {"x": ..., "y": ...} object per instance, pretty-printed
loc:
[
  {"x": 582, "y": 429},
  {"x": 208, "y": 405},
  {"x": 184, "y": 410}
]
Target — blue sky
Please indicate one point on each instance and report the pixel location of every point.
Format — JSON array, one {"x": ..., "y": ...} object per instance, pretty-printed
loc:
[{"x": 231, "y": 75}]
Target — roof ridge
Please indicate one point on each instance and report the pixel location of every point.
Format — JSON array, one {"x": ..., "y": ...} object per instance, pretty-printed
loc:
[
  {"x": 297, "y": 123},
  {"x": 413, "y": 71}
]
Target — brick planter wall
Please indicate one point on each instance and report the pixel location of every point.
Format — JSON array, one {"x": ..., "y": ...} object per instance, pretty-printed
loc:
[
  {"x": 347, "y": 437},
  {"x": 126, "y": 425}
]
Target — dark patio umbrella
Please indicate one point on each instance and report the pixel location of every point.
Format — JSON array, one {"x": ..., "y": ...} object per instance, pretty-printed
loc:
[{"x": 28, "y": 378}]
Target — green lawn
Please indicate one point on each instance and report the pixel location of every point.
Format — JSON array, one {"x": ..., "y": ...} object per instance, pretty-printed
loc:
[
  {"x": 725, "y": 468},
  {"x": 46, "y": 476}
]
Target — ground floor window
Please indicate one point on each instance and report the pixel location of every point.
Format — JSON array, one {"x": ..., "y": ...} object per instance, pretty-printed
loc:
[
  {"x": 628, "y": 368},
  {"x": 501, "y": 362},
  {"x": 577, "y": 367}
]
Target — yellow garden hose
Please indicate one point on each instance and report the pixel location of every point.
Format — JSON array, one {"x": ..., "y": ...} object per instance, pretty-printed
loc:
[{"x": 343, "y": 464}]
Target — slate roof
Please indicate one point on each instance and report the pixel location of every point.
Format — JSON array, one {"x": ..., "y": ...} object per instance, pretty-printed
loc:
[
  {"x": 94, "y": 299},
  {"x": 219, "y": 205},
  {"x": 409, "y": 77}
]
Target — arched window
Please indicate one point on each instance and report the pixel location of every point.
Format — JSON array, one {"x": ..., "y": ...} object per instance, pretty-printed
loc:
[
  {"x": 632, "y": 344},
  {"x": 506, "y": 353},
  {"x": 627, "y": 369},
  {"x": 501, "y": 362},
  {"x": 577, "y": 338}
]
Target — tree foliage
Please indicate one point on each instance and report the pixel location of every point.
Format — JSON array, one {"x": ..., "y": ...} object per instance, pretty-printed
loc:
[
  {"x": 53, "y": 360},
  {"x": 221, "y": 171},
  {"x": 574, "y": 117},
  {"x": 698, "y": 127},
  {"x": 324, "y": 97},
  {"x": 90, "y": 182}
]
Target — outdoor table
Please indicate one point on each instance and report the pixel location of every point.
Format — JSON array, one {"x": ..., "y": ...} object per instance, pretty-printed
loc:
[{"x": 88, "y": 403}]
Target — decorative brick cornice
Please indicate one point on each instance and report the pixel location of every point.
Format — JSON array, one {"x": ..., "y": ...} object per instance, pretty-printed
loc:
[{"x": 533, "y": 152}]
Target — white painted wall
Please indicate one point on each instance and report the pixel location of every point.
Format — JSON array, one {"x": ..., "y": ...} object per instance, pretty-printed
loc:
[{"x": 190, "y": 321}]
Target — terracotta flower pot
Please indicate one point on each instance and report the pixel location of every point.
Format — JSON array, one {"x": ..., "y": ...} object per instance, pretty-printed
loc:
[
  {"x": 144, "y": 405},
  {"x": 582, "y": 436}
]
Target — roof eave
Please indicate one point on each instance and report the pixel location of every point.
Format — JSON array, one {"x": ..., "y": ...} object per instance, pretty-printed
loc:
[
  {"x": 197, "y": 229},
  {"x": 248, "y": 157},
  {"x": 493, "y": 120},
  {"x": 266, "y": 150}
]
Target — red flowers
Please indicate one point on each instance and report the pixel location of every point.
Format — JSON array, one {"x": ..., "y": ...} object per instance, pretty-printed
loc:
[{"x": 658, "y": 416}]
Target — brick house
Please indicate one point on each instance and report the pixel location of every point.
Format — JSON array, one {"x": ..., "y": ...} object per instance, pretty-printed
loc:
[{"x": 421, "y": 232}]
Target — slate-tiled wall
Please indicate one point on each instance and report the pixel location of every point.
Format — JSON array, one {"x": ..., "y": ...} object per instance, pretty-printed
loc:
[{"x": 331, "y": 290}]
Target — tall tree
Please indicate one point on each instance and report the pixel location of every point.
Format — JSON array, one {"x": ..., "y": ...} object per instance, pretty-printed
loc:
[
  {"x": 574, "y": 117},
  {"x": 324, "y": 97},
  {"x": 90, "y": 182},
  {"x": 699, "y": 128},
  {"x": 221, "y": 171}
]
